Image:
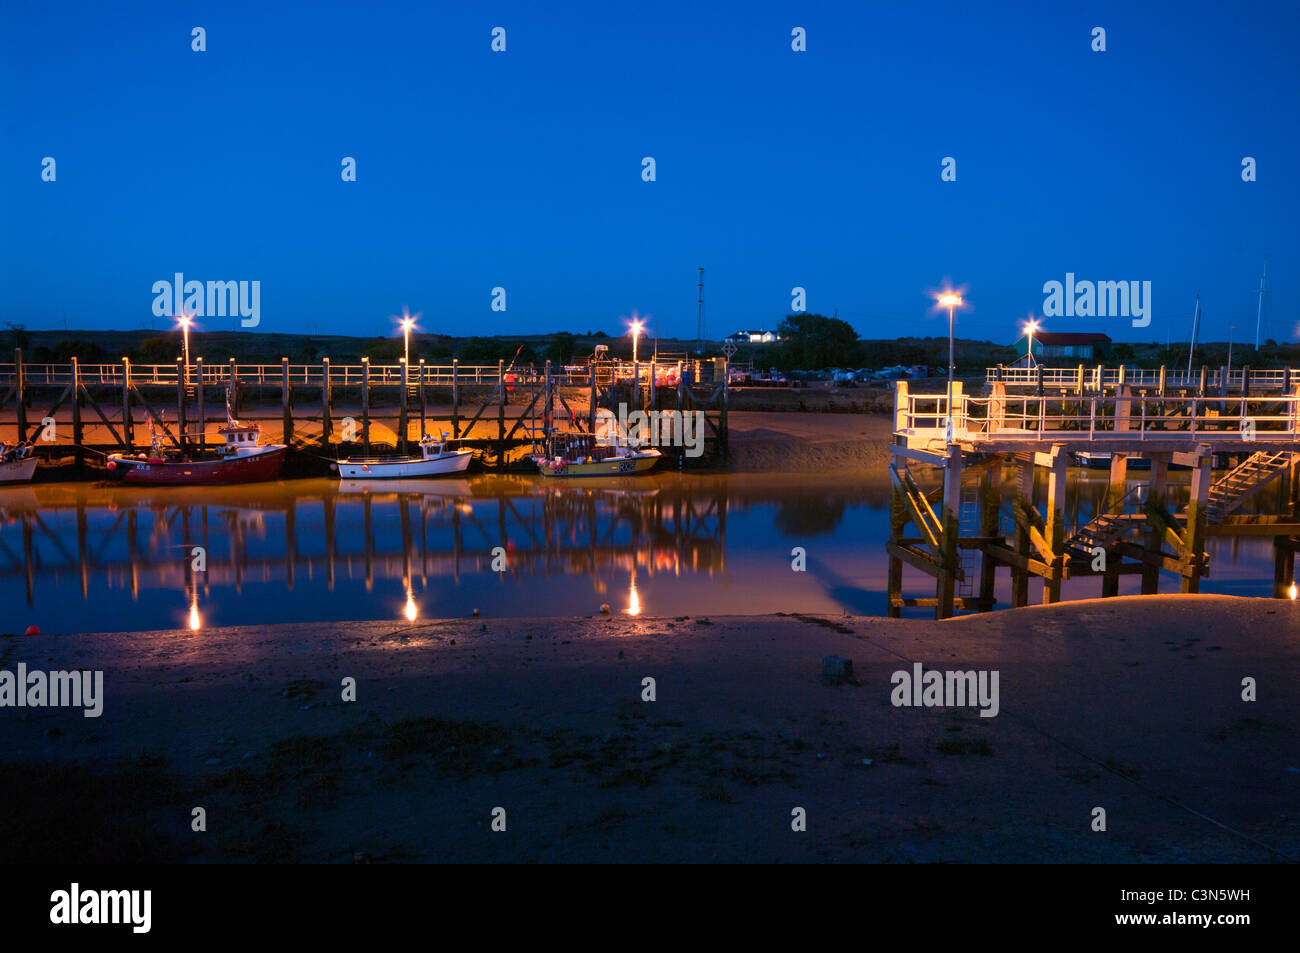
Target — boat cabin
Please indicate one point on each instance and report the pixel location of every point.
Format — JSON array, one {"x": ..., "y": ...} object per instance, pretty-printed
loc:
[
  {"x": 240, "y": 438},
  {"x": 431, "y": 448}
]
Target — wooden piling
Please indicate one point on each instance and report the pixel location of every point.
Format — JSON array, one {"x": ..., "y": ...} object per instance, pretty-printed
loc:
[
  {"x": 946, "y": 588},
  {"x": 1025, "y": 495},
  {"x": 181, "y": 437},
  {"x": 77, "y": 433},
  {"x": 20, "y": 393},
  {"x": 232, "y": 389},
  {"x": 128, "y": 427},
  {"x": 455, "y": 398},
  {"x": 1116, "y": 490},
  {"x": 501, "y": 414},
  {"x": 326, "y": 403},
  {"x": 1194, "y": 532},
  {"x": 365, "y": 405},
  {"x": 991, "y": 505},
  {"x": 199, "y": 405},
  {"x": 286, "y": 401},
  {"x": 1054, "y": 533},
  {"x": 1157, "y": 495},
  {"x": 897, "y": 522},
  {"x": 424, "y": 400},
  {"x": 402, "y": 411}
]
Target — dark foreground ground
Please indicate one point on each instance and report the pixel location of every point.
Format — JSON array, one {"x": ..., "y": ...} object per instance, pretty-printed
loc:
[{"x": 1132, "y": 705}]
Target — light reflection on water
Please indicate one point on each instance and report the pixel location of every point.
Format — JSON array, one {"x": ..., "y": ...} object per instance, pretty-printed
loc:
[{"x": 78, "y": 558}]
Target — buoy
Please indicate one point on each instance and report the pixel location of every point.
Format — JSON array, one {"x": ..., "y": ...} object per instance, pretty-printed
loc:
[
  {"x": 604, "y": 608},
  {"x": 32, "y": 630},
  {"x": 476, "y": 613}
]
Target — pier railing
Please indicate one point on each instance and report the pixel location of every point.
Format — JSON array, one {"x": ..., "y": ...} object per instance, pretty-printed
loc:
[
  {"x": 1025, "y": 418},
  {"x": 1083, "y": 379}
]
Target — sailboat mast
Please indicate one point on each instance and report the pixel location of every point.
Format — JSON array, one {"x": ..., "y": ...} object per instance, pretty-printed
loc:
[
  {"x": 1259, "y": 313},
  {"x": 1196, "y": 324}
]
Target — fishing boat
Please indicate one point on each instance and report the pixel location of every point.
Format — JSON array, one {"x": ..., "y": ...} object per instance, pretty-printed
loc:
[
  {"x": 17, "y": 462},
  {"x": 434, "y": 459},
  {"x": 582, "y": 455},
  {"x": 240, "y": 459}
]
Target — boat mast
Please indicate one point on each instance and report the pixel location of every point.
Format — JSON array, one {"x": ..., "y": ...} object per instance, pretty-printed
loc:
[
  {"x": 1259, "y": 313},
  {"x": 1196, "y": 323}
]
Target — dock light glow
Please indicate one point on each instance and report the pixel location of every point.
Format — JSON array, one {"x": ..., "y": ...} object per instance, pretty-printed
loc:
[
  {"x": 196, "y": 622},
  {"x": 407, "y": 324},
  {"x": 411, "y": 611},
  {"x": 1030, "y": 327},
  {"x": 185, "y": 321},
  {"x": 1292, "y": 592}
]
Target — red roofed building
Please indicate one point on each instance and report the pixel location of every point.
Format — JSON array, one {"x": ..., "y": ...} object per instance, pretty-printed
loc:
[{"x": 1061, "y": 345}]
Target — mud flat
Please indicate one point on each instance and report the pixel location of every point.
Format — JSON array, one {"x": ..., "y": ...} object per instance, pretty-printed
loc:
[{"x": 1132, "y": 704}]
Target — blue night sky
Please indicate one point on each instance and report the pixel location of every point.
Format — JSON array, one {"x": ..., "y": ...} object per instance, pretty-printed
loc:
[{"x": 774, "y": 168}]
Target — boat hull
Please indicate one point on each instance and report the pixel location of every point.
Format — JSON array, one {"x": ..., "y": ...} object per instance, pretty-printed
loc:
[
  {"x": 18, "y": 471},
  {"x": 405, "y": 468},
  {"x": 248, "y": 468},
  {"x": 611, "y": 466}
]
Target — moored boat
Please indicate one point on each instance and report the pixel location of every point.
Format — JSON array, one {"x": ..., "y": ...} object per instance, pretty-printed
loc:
[
  {"x": 240, "y": 459},
  {"x": 582, "y": 455},
  {"x": 434, "y": 459},
  {"x": 17, "y": 462}
]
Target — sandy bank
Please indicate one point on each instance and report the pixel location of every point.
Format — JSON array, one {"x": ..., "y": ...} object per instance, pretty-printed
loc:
[{"x": 1130, "y": 704}]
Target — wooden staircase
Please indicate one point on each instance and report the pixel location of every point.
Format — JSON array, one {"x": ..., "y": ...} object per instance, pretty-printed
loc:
[
  {"x": 1238, "y": 485},
  {"x": 1106, "y": 529}
]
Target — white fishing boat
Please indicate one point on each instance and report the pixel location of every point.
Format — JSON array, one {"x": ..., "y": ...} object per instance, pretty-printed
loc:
[
  {"x": 582, "y": 455},
  {"x": 434, "y": 459},
  {"x": 17, "y": 462}
]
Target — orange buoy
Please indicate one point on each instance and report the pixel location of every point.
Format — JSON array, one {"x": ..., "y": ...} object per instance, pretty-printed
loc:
[{"x": 32, "y": 630}]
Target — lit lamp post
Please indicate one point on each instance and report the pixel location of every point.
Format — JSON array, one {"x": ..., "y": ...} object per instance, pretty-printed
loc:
[
  {"x": 185, "y": 320},
  {"x": 407, "y": 324},
  {"x": 636, "y": 370},
  {"x": 1030, "y": 328},
  {"x": 951, "y": 302}
]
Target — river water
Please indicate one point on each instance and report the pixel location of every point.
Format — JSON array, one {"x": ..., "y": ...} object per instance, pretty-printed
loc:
[{"x": 96, "y": 558}]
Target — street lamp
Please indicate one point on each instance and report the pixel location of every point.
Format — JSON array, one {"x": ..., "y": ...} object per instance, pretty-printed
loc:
[
  {"x": 636, "y": 333},
  {"x": 950, "y": 301},
  {"x": 1030, "y": 328},
  {"x": 407, "y": 324},
  {"x": 185, "y": 320}
]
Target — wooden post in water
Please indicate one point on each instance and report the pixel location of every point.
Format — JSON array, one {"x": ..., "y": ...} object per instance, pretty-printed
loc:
[
  {"x": 326, "y": 403},
  {"x": 232, "y": 389},
  {"x": 1054, "y": 531},
  {"x": 1155, "y": 537},
  {"x": 897, "y": 523},
  {"x": 1194, "y": 532},
  {"x": 403, "y": 413},
  {"x": 20, "y": 392},
  {"x": 286, "y": 401},
  {"x": 455, "y": 398},
  {"x": 990, "y": 506},
  {"x": 365, "y": 405},
  {"x": 198, "y": 393},
  {"x": 424, "y": 401},
  {"x": 180, "y": 404},
  {"x": 76, "y": 414},
  {"x": 501, "y": 414},
  {"x": 946, "y": 588},
  {"x": 1024, "y": 494},
  {"x": 591, "y": 399},
  {"x": 546, "y": 414},
  {"x": 726, "y": 400},
  {"x": 128, "y": 429}
]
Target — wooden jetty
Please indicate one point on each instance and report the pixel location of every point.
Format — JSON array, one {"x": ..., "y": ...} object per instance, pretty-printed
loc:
[
  {"x": 987, "y": 512},
  {"x": 493, "y": 408}
]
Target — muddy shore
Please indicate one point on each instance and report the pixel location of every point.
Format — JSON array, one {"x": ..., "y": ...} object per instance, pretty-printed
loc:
[{"x": 1131, "y": 704}]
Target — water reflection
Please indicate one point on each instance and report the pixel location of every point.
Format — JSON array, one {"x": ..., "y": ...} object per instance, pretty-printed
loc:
[{"x": 75, "y": 557}]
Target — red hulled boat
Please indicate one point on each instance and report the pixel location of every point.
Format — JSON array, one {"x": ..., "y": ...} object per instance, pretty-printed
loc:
[{"x": 239, "y": 460}]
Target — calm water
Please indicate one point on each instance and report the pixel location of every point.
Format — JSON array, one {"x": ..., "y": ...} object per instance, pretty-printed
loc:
[{"x": 78, "y": 558}]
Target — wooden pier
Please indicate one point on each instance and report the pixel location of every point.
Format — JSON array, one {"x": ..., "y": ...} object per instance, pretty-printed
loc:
[
  {"x": 1002, "y": 482},
  {"x": 496, "y": 409}
]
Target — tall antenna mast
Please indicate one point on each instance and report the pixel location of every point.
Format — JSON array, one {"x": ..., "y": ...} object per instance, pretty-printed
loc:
[
  {"x": 1259, "y": 314},
  {"x": 699, "y": 324},
  {"x": 1196, "y": 323}
]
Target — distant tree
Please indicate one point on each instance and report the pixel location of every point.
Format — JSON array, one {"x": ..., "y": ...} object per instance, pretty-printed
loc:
[
  {"x": 812, "y": 341},
  {"x": 159, "y": 350}
]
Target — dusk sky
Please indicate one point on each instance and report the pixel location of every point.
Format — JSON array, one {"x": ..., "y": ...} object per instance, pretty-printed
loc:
[{"x": 774, "y": 168}]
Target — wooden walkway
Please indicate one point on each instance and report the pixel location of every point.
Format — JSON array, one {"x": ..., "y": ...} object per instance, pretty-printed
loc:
[
  {"x": 493, "y": 408},
  {"x": 1006, "y": 437}
]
